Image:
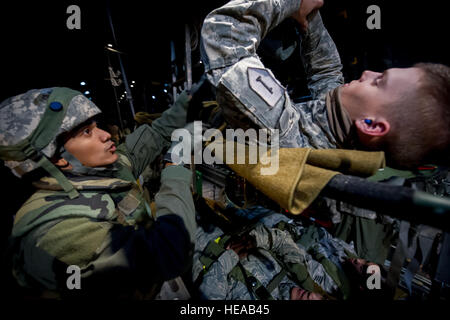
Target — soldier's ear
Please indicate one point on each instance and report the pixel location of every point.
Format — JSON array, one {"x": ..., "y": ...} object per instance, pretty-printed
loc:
[
  {"x": 62, "y": 164},
  {"x": 374, "y": 128},
  {"x": 370, "y": 132}
]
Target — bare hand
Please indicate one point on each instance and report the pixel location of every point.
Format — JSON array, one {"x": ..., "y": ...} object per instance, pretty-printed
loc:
[
  {"x": 307, "y": 8},
  {"x": 242, "y": 245}
]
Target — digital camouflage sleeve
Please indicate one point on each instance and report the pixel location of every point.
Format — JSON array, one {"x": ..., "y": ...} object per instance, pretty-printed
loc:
[{"x": 247, "y": 90}]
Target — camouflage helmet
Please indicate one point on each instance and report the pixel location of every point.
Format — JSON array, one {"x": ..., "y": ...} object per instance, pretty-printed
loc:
[{"x": 31, "y": 122}]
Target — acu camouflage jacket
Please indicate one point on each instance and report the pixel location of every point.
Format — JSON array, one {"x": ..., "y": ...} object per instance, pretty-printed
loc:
[{"x": 118, "y": 251}]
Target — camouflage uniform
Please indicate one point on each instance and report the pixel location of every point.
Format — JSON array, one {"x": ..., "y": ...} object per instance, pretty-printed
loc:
[
  {"x": 313, "y": 247},
  {"x": 108, "y": 230},
  {"x": 325, "y": 253},
  {"x": 247, "y": 90},
  {"x": 250, "y": 96},
  {"x": 230, "y": 36},
  {"x": 217, "y": 284}
]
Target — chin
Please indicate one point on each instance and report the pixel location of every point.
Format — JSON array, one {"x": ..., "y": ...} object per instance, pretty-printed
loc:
[
  {"x": 115, "y": 156},
  {"x": 110, "y": 160}
]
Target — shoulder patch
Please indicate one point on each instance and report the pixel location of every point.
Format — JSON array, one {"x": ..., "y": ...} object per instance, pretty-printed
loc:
[{"x": 265, "y": 85}]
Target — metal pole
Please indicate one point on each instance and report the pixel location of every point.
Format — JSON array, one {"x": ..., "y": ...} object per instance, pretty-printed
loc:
[
  {"x": 188, "y": 62},
  {"x": 396, "y": 201},
  {"x": 174, "y": 69},
  {"x": 125, "y": 81},
  {"x": 115, "y": 96}
]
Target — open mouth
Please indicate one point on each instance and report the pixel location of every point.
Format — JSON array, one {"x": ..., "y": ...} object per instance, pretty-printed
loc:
[{"x": 111, "y": 147}]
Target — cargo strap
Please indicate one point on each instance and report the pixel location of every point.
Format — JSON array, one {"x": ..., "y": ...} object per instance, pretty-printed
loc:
[
  {"x": 214, "y": 250},
  {"x": 331, "y": 269}
]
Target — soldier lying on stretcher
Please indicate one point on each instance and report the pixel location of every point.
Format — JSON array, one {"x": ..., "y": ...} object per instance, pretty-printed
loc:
[{"x": 276, "y": 258}]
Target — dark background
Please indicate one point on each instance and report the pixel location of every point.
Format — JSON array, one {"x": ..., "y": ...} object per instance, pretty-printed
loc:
[{"x": 37, "y": 51}]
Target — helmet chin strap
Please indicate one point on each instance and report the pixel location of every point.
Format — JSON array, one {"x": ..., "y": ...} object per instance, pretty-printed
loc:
[{"x": 79, "y": 169}]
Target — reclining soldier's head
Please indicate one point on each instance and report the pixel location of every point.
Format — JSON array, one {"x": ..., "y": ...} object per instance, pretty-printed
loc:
[{"x": 405, "y": 112}]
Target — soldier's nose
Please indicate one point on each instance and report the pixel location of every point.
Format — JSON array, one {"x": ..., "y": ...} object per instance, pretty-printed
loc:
[
  {"x": 104, "y": 135},
  {"x": 369, "y": 75}
]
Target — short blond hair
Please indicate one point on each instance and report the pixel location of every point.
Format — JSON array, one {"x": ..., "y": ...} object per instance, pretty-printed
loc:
[{"x": 422, "y": 121}]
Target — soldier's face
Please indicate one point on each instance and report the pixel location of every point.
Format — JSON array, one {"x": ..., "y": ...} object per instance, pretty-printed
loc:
[
  {"x": 92, "y": 146},
  {"x": 298, "y": 293},
  {"x": 376, "y": 92}
]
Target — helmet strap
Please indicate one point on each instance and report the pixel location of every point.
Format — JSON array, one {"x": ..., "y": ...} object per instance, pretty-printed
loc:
[
  {"x": 79, "y": 169},
  {"x": 59, "y": 176}
]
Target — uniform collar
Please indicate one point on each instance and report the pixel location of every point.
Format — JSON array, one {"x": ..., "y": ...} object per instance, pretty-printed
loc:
[{"x": 341, "y": 125}]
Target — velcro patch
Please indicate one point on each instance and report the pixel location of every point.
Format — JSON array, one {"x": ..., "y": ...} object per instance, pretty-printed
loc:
[
  {"x": 265, "y": 85},
  {"x": 128, "y": 204}
]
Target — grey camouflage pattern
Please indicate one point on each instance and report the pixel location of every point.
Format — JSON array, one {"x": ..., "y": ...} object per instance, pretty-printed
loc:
[
  {"x": 218, "y": 285},
  {"x": 320, "y": 59},
  {"x": 230, "y": 37},
  {"x": 20, "y": 116},
  {"x": 292, "y": 252},
  {"x": 235, "y": 30}
]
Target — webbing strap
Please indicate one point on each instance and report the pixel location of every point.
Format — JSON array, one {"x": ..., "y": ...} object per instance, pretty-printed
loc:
[
  {"x": 399, "y": 256},
  {"x": 59, "y": 176},
  {"x": 213, "y": 251},
  {"x": 254, "y": 286},
  {"x": 51, "y": 121},
  {"x": 45, "y": 131},
  {"x": 18, "y": 152},
  {"x": 336, "y": 274},
  {"x": 276, "y": 280}
]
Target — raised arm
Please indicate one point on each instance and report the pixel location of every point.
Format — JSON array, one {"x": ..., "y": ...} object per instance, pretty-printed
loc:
[
  {"x": 147, "y": 142},
  {"x": 320, "y": 59},
  {"x": 230, "y": 36},
  {"x": 235, "y": 30}
]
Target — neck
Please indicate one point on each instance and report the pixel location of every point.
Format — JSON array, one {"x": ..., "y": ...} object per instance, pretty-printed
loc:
[{"x": 341, "y": 123}]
